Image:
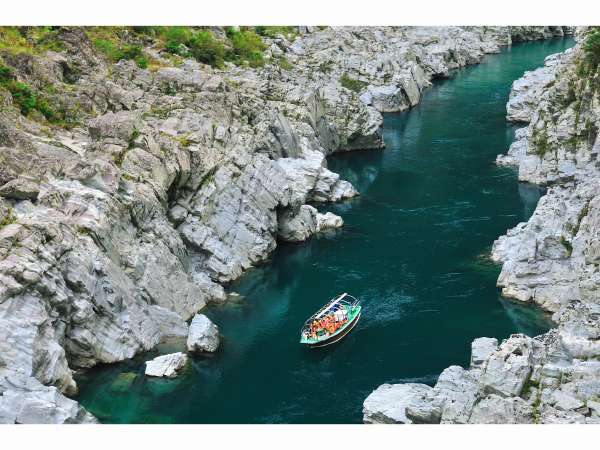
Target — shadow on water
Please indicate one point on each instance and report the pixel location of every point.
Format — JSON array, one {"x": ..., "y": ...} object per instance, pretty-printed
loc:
[{"x": 414, "y": 249}]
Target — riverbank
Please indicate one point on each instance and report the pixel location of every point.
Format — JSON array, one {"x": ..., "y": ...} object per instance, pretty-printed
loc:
[
  {"x": 550, "y": 261},
  {"x": 164, "y": 183}
]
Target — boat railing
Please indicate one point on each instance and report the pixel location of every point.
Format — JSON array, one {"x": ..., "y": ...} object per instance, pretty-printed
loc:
[{"x": 333, "y": 305}]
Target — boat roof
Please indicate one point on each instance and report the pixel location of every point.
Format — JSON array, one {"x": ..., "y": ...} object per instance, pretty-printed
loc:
[{"x": 331, "y": 306}]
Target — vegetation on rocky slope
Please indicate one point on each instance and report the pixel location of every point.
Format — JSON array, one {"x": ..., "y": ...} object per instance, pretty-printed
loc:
[
  {"x": 25, "y": 97},
  {"x": 239, "y": 45},
  {"x": 591, "y": 47},
  {"x": 150, "y": 47}
]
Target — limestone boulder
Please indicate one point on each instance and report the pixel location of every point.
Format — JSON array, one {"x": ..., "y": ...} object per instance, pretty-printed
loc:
[
  {"x": 203, "y": 335},
  {"x": 168, "y": 366}
]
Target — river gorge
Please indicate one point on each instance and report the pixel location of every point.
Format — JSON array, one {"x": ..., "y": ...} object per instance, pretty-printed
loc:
[{"x": 414, "y": 249}]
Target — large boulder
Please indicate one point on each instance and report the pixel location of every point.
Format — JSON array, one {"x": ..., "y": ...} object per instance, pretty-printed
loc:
[
  {"x": 166, "y": 365},
  {"x": 495, "y": 409},
  {"x": 481, "y": 348},
  {"x": 21, "y": 188},
  {"x": 329, "y": 221},
  {"x": 203, "y": 335},
  {"x": 297, "y": 226},
  {"x": 457, "y": 390},
  {"x": 508, "y": 369},
  {"x": 24, "y": 400},
  {"x": 389, "y": 402}
]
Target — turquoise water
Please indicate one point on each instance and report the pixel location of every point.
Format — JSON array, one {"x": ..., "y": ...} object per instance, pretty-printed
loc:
[{"x": 414, "y": 250}]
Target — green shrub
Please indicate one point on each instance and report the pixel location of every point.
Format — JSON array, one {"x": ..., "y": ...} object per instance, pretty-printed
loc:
[
  {"x": 247, "y": 46},
  {"x": 284, "y": 63},
  {"x": 205, "y": 48},
  {"x": 134, "y": 135},
  {"x": 22, "y": 96},
  {"x": 109, "y": 49},
  {"x": 30, "y": 40},
  {"x": 540, "y": 142},
  {"x": 567, "y": 245},
  {"x": 8, "y": 219},
  {"x": 272, "y": 31},
  {"x": 6, "y": 74},
  {"x": 591, "y": 47},
  {"x": 352, "y": 83},
  {"x": 175, "y": 37},
  {"x": 325, "y": 66},
  {"x": 116, "y": 53}
]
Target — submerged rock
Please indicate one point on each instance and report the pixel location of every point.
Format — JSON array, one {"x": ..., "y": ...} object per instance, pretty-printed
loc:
[
  {"x": 203, "y": 336},
  {"x": 123, "y": 382},
  {"x": 166, "y": 365}
]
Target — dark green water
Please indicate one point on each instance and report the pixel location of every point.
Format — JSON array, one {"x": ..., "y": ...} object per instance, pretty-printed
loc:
[{"x": 413, "y": 250}]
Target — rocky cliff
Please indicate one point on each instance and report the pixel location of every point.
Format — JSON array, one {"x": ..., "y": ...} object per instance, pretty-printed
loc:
[
  {"x": 553, "y": 261},
  {"x": 130, "y": 192}
]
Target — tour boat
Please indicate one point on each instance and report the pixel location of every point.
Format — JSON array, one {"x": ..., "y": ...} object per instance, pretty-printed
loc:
[{"x": 339, "y": 315}]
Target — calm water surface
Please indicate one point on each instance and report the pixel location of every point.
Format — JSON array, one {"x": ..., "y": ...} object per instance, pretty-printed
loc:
[{"x": 414, "y": 250}]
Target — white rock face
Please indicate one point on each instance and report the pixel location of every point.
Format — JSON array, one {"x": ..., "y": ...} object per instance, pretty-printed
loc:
[
  {"x": 329, "y": 221},
  {"x": 387, "y": 404},
  {"x": 507, "y": 370},
  {"x": 24, "y": 400},
  {"x": 122, "y": 229},
  {"x": 306, "y": 222},
  {"x": 166, "y": 365},
  {"x": 527, "y": 90},
  {"x": 481, "y": 348},
  {"x": 204, "y": 335},
  {"x": 388, "y": 98}
]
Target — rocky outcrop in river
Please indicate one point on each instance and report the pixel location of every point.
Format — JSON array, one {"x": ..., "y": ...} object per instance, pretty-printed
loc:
[
  {"x": 552, "y": 261},
  {"x": 118, "y": 228}
]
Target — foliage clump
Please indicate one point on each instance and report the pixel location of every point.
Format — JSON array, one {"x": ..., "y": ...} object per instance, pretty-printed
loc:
[
  {"x": 289, "y": 32},
  {"x": 541, "y": 143},
  {"x": 591, "y": 48},
  {"x": 247, "y": 47},
  {"x": 284, "y": 63},
  {"x": 116, "y": 52},
  {"x": 567, "y": 245},
  {"x": 352, "y": 83},
  {"x": 24, "y": 96},
  {"x": 30, "y": 40}
]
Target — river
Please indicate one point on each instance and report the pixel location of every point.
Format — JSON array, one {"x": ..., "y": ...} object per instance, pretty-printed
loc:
[{"x": 414, "y": 250}]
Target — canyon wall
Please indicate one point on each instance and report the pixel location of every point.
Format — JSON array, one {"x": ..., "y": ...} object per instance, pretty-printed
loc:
[
  {"x": 172, "y": 180},
  {"x": 552, "y": 261}
]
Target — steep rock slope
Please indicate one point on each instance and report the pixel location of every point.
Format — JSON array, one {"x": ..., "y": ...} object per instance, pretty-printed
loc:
[
  {"x": 552, "y": 260},
  {"x": 119, "y": 228}
]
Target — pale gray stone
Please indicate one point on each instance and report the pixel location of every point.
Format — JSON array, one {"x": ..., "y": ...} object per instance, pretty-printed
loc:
[
  {"x": 167, "y": 366},
  {"x": 387, "y": 404},
  {"x": 203, "y": 336}
]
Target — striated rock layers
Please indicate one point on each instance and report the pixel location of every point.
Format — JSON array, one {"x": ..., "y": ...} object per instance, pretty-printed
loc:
[
  {"x": 553, "y": 261},
  {"x": 204, "y": 335},
  {"x": 118, "y": 230},
  {"x": 167, "y": 366}
]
